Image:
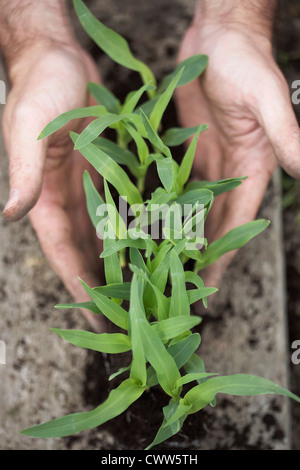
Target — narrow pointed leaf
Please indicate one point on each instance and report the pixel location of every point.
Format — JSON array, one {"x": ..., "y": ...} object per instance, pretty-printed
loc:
[
  {"x": 238, "y": 384},
  {"x": 110, "y": 343},
  {"x": 178, "y": 135},
  {"x": 194, "y": 66},
  {"x": 180, "y": 305},
  {"x": 136, "y": 316},
  {"x": 163, "y": 101},
  {"x": 118, "y": 154},
  {"x": 108, "y": 307},
  {"x": 112, "y": 267},
  {"x": 93, "y": 198},
  {"x": 114, "y": 45},
  {"x": 153, "y": 136},
  {"x": 133, "y": 98},
  {"x": 165, "y": 171},
  {"x": 91, "y": 306},
  {"x": 111, "y": 171},
  {"x": 233, "y": 240},
  {"x": 191, "y": 377},
  {"x": 172, "y": 327},
  {"x": 64, "y": 118},
  {"x": 200, "y": 196},
  {"x": 165, "y": 432},
  {"x": 95, "y": 128},
  {"x": 217, "y": 187},
  {"x": 117, "y": 402},
  {"x": 187, "y": 161},
  {"x": 104, "y": 97},
  {"x": 182, "y": 411},
  {"x": 118, "y": 291},
  {"x": 200, "y": 294},
  {"x": 181, "y": 351}
]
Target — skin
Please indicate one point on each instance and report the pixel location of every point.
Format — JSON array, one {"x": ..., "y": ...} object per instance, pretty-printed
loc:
[
  {"x": 245, "y": 100},
  {"x": 251, "y": 128},
  {"x": 47, "y": 79}
]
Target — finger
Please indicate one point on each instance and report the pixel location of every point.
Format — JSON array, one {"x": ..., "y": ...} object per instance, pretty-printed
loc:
[
  {"x": 238, "y": 207},
  {"x": 193, "y": 110},
  {"x": 26, "y": 161},
  {"x": 56, "y": 237},
  {"x": 275, "y": 114}
]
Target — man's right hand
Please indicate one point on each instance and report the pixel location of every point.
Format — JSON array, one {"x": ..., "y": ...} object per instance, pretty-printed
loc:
[{"x": 46, "y": 177}]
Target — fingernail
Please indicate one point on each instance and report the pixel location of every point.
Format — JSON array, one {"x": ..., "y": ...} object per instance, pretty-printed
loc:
[{"x": 13, "y": 200}]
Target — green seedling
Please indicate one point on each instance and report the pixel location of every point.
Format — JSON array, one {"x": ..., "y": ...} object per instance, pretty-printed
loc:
[{"x": 156, "y": 326}]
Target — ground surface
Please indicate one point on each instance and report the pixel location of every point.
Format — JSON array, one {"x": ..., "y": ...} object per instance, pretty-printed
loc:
[{"x": 245, "y": 331}]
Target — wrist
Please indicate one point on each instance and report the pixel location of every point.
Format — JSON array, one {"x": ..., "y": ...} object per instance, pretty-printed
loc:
[{"x": 247, "y": 16}]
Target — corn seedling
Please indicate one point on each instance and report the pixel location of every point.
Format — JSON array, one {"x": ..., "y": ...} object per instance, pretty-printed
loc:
[{"x": 156, "y": 327}]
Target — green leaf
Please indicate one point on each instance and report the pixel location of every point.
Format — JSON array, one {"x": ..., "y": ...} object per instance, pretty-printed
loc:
[
  {"x": 162, "y": 301},
  {"x": 133, "y": 98},
  {"x": 136, "y": 316},
  {"x": 181, "y": 411},
  {"x": 118, "y": 154},
  {"x": 64, "y": 118},
  {"x": 193, "y": 67},
  {"x": 104, "y": 97},
  {"x": 119, "y": 372},
  {"x": 139, "y": 243},
  {"x": 165, "y": 432},
  {"x": 111, "y": 343},
  {"x": 165, "y": 171},
  {"x": 117, "y": 291},
  {"x": 159, "y": 358},
  {"x": 187, "y": 161},
  {"x": 195, "y": 365},
  {"x": 87, "y": 305},
  {"x": 153, "y": 136},
  {"x": 233, "y": 240},
  {"x": 163, "y": 101},
  {"x": 172, "y": 327},
  {"x": 112, "y": 267},
  {"x": 95, "y": 128},
  {"x": 111, "y": 171},
  {"x": 180, "y": 305},
  {"x": 238, "y": 384},
  {"x": 159, "y": 196},
  {"x": 181, "y": 351},
  {"x": 200, "y": 196},
  {"x": 195, "y": 279},
  {"x": 191, "y": 377},
  {"x": 93, "y": 198},
  {"x": 217, "y": 187},
  {"x": 200, "y": 294},
  {"x": 142, "y": 147},
  {"x": 114, "y": 45},
  {"x": 114, "y": 312},
  {"x": 117, "y": 222},
  {"x": 137, "y": 260},
  {"x": 117, "y": 402},
  {"x": 178, "y": 135}
]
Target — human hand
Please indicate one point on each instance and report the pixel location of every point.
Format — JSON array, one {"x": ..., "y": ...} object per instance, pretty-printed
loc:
[
  {"x": 46, "y": 177},
  {"x": 245, "y": 100}
]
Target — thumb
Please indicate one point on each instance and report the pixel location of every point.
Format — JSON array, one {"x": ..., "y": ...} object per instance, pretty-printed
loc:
[
  {"x": 26, "y": 160},
  {"x": 276, "y": 116}
]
